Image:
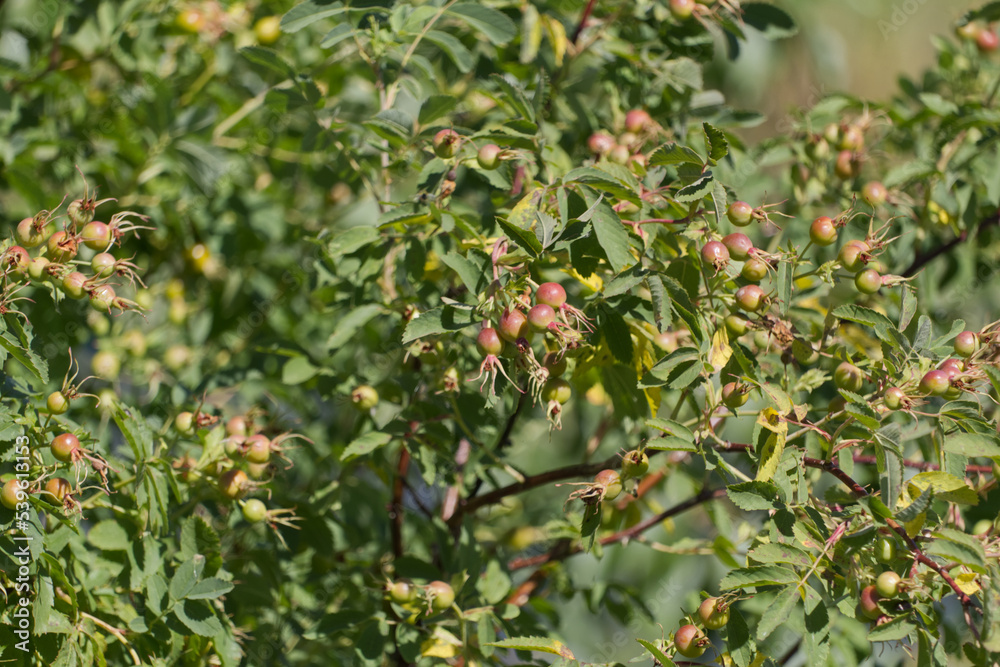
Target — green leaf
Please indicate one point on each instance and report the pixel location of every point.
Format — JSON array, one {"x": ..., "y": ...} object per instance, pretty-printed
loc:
[
  {"x": 616, "y": 334},
  {"x": 671, "y": 428},
  {"x": 862, "y": 315},
  {"x": 908, "y": 308},
  {"x": 895, "y": 630},
  {"x": 513, "y": 96},
  {"x": 718, "y": 147},
  {"x": 756, "y": 576},
  {"x": 773, "y": 22},
  {"x": 436, "y": 106},
  {"x": 780, "y": 553},
  {"x": 198, "y": 617},
  {"x": 749, "y": 496},
  {"x": 348, "y": 325},
  {"x": 28, "y": 359},
  {"x": 697, "y": 190},
  {"x": 108, "y": 535},
  {"x": 916, "y": 508},
  {"x": 391, "y": 125},
  {"x": 338, "y": 34},
  {"x": 135, "y": 431},
  {"x": 658, "y": 655},
  {"x": 439, "y": 320},
  {"x": 959, "y": 547},
  {"x": 456, "y": 51},
  {"x": 671, "y": 443},
  {"x": 307, "y": 13},
  {"x": 473, "y": 276},
  {"x": 268, "y": 59},
  {"x": 777, "y": 612},
  {"x": 662, "y": 314},
  {"x": 946, "y": 487},
  {"x": 679, "y": 368},
  {"x": 625, "y": 281},
  {"x": 209, "y": 589},
  {"x": 601, "y": 180},
  {"x": 610, "y": 231},
  {"x": 993, "y": 374},
  {"x": 297, "y": 370},
  {"x": 741, "y": 645},
  {"x": 351, "y": 240},
  {"x": 496, "y": 26},
  {"x": 365, "y": 445},
  {"x": 973, "y": 444},
  {"x": 673, "y": 154},
  {"x": 543, "y": 644},
  {"x": 185, "y": 577},
  {"x": 524, "y": 238}
]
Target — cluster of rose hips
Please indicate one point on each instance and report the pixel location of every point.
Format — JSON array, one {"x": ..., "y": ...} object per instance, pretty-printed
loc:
[
  {"x": 858, "y": 257},
  {"x": 59, "y": 240},
  {"x": 854, "y": 257},
  {"x": 626, "y": 148},
  {"x": 984, "y": 36},
  {"x": 845, "y": 143},
  {"x": 952, "y": 377},
  {"x": 689, "y": 639},
  {"x": 431, "y": 598},
  {"x": 447, "y": 143},
  {"x": 213, "y": 20},
  {"x": 245, "y": 445},
  {"x": 550, "y": 315},
  {"x": 65, "y": 449}
]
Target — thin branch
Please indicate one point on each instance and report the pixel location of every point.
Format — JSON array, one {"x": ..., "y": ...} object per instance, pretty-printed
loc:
[
  {"x": 568, "y": 472},
  {"x": 914, "y": 548},
  {"x": 583, "y": 21},
  {"x": 923, "y": 259},
  {"x": 870, "y": 460},
  {"x": 625, "y": 535},
  {"x": 923, "y": 465},
  {"x": 396, "y": 506},
  {"x": 503, "y": 440}
]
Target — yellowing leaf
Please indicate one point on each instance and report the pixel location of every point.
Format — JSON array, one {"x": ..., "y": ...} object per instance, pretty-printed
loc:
[
  {"x": 592, "y": 283},
  {"x": 777, "y": 397},
  {"x": 914, "y": 527},
  {"x": 719, "y": 355},
  {"x": 967, "y": 582},
  {"x": 557, "y": 38},
  {"x": 441, "y": 644},
  {"x": 525, "y": 211},
  {"x": 531, "y": 34},
  {"x": 770, "y": 455},
  {"x": 643, "y": 361},
  {"x": 946, "y": 487},
  {"x": 770, "y": 419}
]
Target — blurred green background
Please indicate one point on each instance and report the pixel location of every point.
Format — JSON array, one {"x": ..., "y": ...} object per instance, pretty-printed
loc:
[{"x": 860, "y": 47}]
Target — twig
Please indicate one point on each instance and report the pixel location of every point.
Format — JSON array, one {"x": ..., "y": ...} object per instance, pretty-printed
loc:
[
  {"x": 625, "y": 535},
  {"x": 532, "y": 481},
  {"x": 396, "y": 506},
  {"x": 915, "y": 550},
  {"x": 583, "y": 21},
  {"x": 869, "y": 460},
  {"x": 923, "y": 465},
  {"x": 117, "y": 633},
  {"x": 923, "y": 259},
  {"x": 504, "y": 438}
]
